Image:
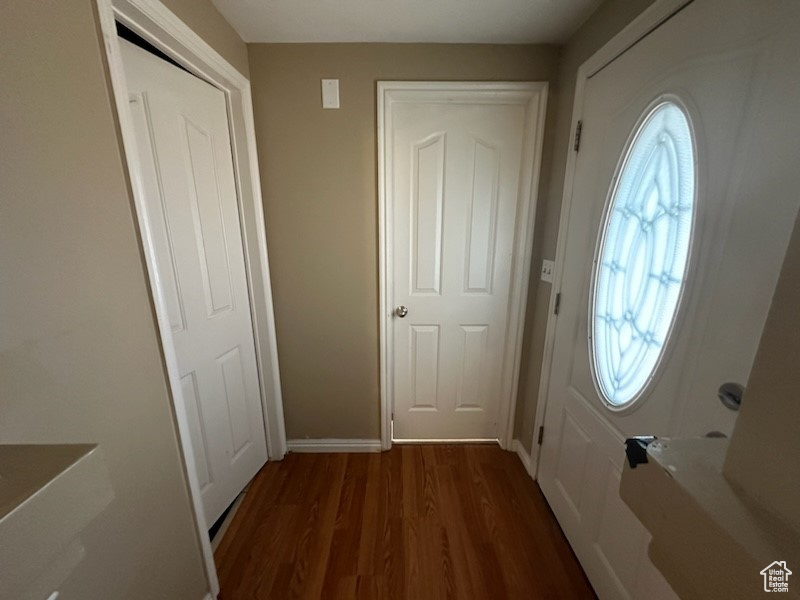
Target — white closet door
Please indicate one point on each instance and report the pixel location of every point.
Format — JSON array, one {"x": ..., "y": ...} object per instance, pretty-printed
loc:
[{"x": 192, "y": 210}]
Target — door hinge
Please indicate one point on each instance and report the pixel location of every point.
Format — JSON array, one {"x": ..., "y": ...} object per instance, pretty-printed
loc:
[
  {"x": 540, "y": 436},
  {"x": 557, "y": 307},
  {"x": 578, "y": 131}
]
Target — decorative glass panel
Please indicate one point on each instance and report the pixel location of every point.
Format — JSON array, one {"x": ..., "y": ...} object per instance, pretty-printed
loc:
[{"x": 643, "y": 252}]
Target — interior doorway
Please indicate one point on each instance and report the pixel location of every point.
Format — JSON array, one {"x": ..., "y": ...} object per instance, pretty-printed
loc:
[
  {"x": 153, "y": 22},
  {"x": 459, "y": 165}
]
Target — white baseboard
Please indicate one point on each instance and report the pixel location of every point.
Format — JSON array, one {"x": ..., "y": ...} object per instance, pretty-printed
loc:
[
  {"x": 524, "y": 457},
  {"x": 334, "y": 445}
]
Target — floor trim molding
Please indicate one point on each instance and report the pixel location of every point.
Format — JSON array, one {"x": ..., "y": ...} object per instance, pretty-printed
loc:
[
  {"x": 524, "y": 457},
  {"x": 334, "y": 445}
]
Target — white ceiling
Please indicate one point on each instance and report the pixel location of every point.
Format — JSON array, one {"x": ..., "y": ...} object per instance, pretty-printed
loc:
[{"x": 443, "y": 21}]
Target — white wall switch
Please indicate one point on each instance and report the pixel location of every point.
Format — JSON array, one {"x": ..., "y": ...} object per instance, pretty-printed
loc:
[
  {"x": 547, "y": 270},
  {"x": 330, "y": 93}
]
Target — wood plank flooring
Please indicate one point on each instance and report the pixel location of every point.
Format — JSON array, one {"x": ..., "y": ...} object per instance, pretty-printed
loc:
[{"x": 417, "y": 522}]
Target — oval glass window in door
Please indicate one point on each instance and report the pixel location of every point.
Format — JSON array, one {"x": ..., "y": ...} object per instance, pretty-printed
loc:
[{"x": 640, "y": 266}]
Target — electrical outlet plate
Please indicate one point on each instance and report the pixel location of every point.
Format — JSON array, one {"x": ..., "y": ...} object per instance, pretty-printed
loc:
[{"x": 548, "y": 266}]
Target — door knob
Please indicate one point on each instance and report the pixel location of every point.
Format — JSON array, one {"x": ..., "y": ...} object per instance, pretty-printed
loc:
[
  {"x": 730, "y": 394},
  {"x": 715, "y": 434},
  {"x": 401, "y": 311}
]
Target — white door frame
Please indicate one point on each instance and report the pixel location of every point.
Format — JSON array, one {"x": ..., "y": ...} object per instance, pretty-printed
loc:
[
  {"x": 532, "y": 95},
  {"x": 652, "y": 17},
  {"x": 158, "y": 25}
]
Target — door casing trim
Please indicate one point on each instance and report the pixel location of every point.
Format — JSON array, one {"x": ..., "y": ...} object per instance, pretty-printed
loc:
[
  {"x": 533, "y": 95},
  {"x": 656, "y": 14},
  {"x": 158, "y": 25}
]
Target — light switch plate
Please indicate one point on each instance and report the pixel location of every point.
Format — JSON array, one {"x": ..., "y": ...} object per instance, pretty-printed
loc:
[
  {"x": 548, "y": 266},
  {"x": 330, "y": 93}
]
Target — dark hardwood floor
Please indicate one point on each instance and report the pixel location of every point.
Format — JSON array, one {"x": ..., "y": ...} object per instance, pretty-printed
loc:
[{"x": 416, "y": 523}]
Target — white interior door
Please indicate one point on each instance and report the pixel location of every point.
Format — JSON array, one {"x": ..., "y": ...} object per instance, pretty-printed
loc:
[
  {"x": 184, "y": 145},
  {"x": 729, "y": 67},
  {"x": 456, "y": 180}
]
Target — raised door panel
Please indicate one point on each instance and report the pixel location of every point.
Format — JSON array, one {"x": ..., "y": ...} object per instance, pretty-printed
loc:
[
  {"x": 620, "y": 540},
  {"x": 159, "y": 218},
  {"x": 424, "y": 367},
  {"x": 209, "y": 223},
  {"x": 573, "y": 449},
  {"x": 197, "y": 429},
  {"x": 235, "y": 398},
  {"x": 471, "y": 387},
  {"x": 427, "y": 205},
  {"x": 482, "y": 219}
]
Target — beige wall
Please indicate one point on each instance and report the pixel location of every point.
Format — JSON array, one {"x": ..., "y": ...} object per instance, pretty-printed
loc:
[
  {"x": 319, "y": 177},
  {"x": 203, "y": 17},
  {"x": 607, "y": 21},
  {"x": 79, "y": 357}
]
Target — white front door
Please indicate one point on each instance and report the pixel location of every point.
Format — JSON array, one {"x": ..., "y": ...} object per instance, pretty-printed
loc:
[
  {"x": 457, "y": 181},
  {"x": 184, "y": 149},
  {"x": 684, "y": 195}
]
